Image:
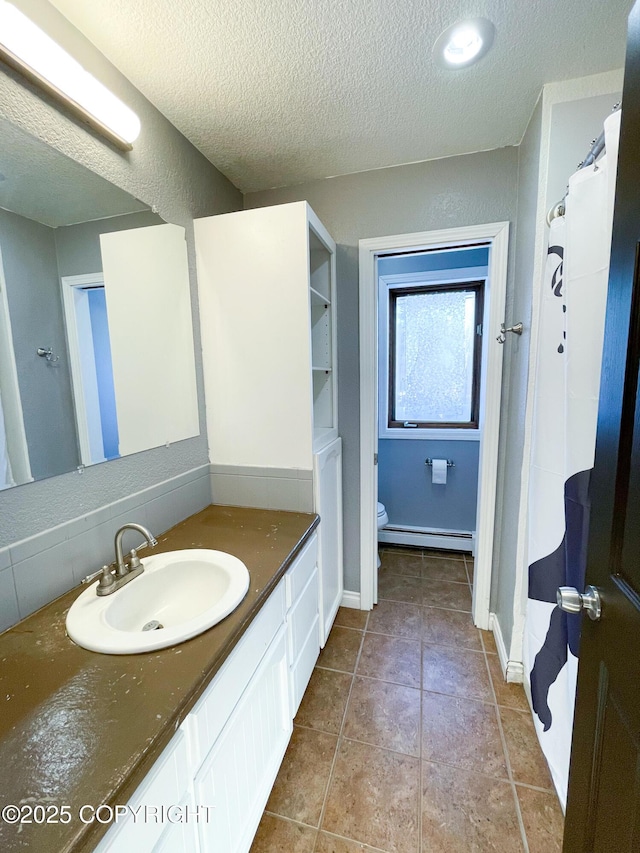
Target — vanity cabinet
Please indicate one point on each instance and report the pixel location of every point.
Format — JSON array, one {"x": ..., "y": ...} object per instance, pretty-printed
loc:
[
  {"x": 266, "y": 284},
  {"x": 218, "y": 770}
]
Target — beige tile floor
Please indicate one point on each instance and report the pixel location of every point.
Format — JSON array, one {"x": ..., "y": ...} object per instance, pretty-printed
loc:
[{"x": 408, "y": 740}]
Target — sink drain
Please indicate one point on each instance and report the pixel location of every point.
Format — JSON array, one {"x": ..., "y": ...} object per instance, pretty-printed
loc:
[{"x": 154, "y": 625}]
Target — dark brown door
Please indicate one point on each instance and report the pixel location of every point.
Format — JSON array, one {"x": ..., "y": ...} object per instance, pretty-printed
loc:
[{"x": 603, "y": 808}]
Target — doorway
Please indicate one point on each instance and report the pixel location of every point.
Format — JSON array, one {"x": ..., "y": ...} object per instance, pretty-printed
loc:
[
  {"x": 91, "y": 367},
  {"x": 495, "y": 235}
]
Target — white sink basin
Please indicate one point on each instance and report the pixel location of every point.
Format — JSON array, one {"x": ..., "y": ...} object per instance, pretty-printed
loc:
[{"x": 185, "y": 592}]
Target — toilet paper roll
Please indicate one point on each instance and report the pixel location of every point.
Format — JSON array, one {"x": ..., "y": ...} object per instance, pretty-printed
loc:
[{"x": 439, "y": 471}]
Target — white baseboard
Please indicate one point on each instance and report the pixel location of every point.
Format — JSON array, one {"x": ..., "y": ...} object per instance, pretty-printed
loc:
[
  {"x": 512, "y": 670},
  {"x": 350, "y": 599},
  {"x": 425, "y": 537}
]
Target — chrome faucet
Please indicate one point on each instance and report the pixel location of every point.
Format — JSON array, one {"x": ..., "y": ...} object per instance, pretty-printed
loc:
[
  {"x": 122, "y": 570},
  {"x": 123, "y": 573}
]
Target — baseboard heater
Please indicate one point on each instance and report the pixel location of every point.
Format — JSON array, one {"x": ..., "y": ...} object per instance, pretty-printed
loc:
[{"x": 427, "y": 537}]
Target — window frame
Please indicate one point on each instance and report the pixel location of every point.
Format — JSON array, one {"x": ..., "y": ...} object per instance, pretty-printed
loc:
[{"x": 460, "y": 278}]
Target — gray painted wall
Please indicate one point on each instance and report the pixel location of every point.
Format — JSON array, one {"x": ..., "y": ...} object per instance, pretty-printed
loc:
[
  {"x": 573, "y": 125},
  {"x": 406, "y": 490},
  {"x": 164, "y": 171},
  {"x": 78, "y": 246},
  {"x": 35, "y": 310},
  {"x": 516, "y": 368},
  {"x": 452, "y": 192}
]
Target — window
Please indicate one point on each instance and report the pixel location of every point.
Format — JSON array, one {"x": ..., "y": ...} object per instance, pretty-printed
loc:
[{"x": 434, "y": 355}]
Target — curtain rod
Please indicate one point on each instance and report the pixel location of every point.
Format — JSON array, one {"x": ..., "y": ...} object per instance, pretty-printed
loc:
[{"x": 597, "y": 147}]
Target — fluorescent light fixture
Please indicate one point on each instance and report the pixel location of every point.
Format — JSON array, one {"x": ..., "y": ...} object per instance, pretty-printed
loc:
[
  {"x": 464, "y": 43},
  {"x": 29, "y": 50}
]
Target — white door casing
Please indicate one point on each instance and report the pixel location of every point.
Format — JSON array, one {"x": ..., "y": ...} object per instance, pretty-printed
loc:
[{"x": 497, "y": 235}]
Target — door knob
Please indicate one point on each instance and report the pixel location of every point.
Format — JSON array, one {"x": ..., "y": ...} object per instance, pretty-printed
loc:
[{"x": 571, "y": 601}]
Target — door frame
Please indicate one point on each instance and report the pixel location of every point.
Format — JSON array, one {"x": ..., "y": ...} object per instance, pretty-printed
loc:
[
  {"x": 497, "y": 235},
  {"x": 69, "y": 283},
  {"x": 18, "y": 448}
]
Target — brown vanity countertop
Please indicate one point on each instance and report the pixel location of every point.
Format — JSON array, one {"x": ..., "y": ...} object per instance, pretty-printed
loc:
[{"x": 80, "y": 728}]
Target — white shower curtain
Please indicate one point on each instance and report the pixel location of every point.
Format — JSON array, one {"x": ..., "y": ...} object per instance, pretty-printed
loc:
[
  {"x": 567, "y": 382},
  {"x": 6, "y": 477}
]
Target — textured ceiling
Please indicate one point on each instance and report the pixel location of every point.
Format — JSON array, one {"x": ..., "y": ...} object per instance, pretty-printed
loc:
[{"x": 275, "y": 92}]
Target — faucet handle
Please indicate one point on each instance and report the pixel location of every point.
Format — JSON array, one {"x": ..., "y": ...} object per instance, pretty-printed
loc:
[
  {"x": 107, "y": 581},
  {"x": 90, "y": 578},
  {"x": 134, "y": 561}
]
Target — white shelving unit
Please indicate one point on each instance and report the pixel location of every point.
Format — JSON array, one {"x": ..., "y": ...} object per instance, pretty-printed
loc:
[{"x": 266, "y": 282}]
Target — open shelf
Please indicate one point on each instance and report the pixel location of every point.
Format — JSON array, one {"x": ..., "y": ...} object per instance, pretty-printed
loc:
[
  {"x": 319, "y": 266},
  {"x": 318, "y": 299}
]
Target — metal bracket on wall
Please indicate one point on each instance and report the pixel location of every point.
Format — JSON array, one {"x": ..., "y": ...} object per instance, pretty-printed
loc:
[
  {"x": 517, "y": 330},
  {"x": 47, "y": 352},
  {"x": 450, "y": 463}
]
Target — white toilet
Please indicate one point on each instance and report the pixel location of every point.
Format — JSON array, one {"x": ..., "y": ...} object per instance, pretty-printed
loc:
[{"x": 383, "y": 519}]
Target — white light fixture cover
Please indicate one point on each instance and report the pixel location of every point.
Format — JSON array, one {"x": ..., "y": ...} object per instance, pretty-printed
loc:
[
  {"x": 463, "y": 43},
  {"x": 25, "y": 47}
]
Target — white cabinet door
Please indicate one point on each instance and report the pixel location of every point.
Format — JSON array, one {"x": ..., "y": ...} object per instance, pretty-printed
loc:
[
  {"x": 182, "y": 835},
  {"x": 237, "y": 775},
  {"x": 167, "y": 785},
  {"x": 327, "y": 486},
  {"x": 148, "y": 297}
]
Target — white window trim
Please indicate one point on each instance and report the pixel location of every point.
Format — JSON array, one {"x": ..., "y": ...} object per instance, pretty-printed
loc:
[{"x": 398, "y": 280}]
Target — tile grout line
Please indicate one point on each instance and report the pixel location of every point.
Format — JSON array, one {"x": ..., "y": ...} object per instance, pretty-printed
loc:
[
  {"x": 315, "y": 829},
  {"x": 420, "y": 756},
  {"x": 507, "y": 759},
  {"x": 428, "y": 642},
  {"x": 340, "y": 736},
  {"x": 422, "y": 577},
  {"x": 432, "y": 606}
]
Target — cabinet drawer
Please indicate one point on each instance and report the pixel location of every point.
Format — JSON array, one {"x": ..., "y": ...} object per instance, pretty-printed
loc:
[
  {"x": 298, "y": 575},
  {"x": 301, "y": 616},
  {"x": 211, "y": 712},
  {"x": 303, "y": 667}
]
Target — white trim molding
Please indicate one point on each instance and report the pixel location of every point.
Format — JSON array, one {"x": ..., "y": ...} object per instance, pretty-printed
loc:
[
  {"x": 512, "y": 670},
  {"x": 68, "y": 284},
  {"x": 428, "y": 537},
  {"x": 387, "y": 283},
  {"x": 350, "y": 599},
  {"x": 496, "y": 234}
]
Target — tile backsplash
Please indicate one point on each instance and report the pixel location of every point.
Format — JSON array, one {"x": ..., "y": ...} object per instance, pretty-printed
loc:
[
  {"x": 263, "y": 488},
  {"x": 36, "y": 570}
]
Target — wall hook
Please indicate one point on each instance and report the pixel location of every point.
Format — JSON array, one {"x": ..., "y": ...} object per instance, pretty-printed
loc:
[
  {"x": 47, "y": 352},
  {"x": 517, "y": 330}
]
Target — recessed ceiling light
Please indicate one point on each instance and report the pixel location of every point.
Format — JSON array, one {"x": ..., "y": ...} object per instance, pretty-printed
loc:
[{"x": 464, "y": 43}]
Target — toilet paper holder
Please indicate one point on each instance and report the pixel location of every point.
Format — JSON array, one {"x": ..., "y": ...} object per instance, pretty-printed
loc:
[{"x": 450, "y": 464}]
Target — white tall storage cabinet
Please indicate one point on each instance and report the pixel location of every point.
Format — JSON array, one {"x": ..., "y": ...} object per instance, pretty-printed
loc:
[{"x": 266, "y": 282}]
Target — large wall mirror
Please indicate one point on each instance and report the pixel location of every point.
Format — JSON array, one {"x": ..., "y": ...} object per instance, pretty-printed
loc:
[{"x": 96, "y": 336}]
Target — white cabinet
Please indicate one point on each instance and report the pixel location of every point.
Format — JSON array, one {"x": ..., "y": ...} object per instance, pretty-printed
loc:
[
  {"x": 238, "y": 772},
  {"x": 327, "y": 487},
  {"x": 218, "y": 770},
  {"x": 303, "y": 621},
  {"x": 266, "y": 283}
]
